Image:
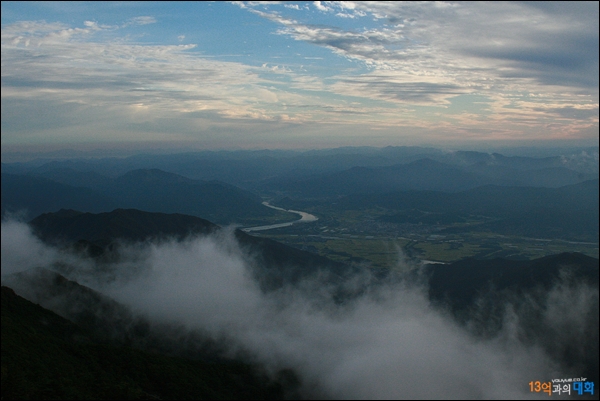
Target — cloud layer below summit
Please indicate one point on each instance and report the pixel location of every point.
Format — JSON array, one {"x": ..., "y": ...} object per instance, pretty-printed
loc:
[{"x": 389, "y": 343}]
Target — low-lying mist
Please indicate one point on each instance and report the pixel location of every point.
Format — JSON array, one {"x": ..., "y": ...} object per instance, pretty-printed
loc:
[{"x": 389, "y": 342}]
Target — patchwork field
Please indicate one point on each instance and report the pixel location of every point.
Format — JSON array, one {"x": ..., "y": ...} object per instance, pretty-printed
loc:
[{"x": 361, "y": 237}]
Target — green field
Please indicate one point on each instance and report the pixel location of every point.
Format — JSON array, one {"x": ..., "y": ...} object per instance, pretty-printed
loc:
[{"x": 360, "y": 237}]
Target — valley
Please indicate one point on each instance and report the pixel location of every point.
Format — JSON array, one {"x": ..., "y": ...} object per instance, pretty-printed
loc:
[
  {"x": 259, "y": 280},
  {"x": 361, "y": 237}
]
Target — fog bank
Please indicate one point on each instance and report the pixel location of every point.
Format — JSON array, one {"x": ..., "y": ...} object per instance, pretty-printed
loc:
[{"x": 388, "y": 343}]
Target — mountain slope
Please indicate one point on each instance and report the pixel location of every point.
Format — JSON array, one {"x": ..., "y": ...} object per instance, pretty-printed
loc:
[
  {"x": 569, "y": 212},
  {"x": 424, "y": 174},
  {"x": 128, "y": 224},
  {"x": 448, "y": 175},
  {"x": 46, "y": 356},
  {"x": 460, "y": 283},
  {"x": 158, "y": 191},
  {"x": 553, "y": 300},
  {"x": 38, "y": 195},
  {"x": 150, "y": 189}
]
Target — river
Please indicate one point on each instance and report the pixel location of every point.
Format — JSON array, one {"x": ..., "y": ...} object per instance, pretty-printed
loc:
[{"x": 304, "y": 218}]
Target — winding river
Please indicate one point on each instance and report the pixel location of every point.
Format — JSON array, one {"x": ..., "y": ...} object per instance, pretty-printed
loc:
[{"x": 304, "y": 218}]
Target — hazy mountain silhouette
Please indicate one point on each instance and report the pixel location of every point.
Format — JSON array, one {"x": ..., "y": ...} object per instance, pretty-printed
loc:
[
  {"x": 569, "y": 212},
  {"x": 158, "y": 191},
  {"x": 248, "y": 169},
  {"x": 36, "y": 195},
  {"x": 423, "y": 174},
  {"x": 152, "y": 190}
]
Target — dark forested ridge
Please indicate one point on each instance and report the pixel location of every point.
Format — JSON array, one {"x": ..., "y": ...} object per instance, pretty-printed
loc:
[
  {"x": 45, "y": 356},
  {"x": 275, "y": 263},
  {"x": 125, "y": 224},
  {"x": 462, "y": 282},
  {"x": 481, "y": 293}
]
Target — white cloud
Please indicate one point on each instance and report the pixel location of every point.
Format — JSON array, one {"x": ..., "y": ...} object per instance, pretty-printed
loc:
[
  {"x": 388, "y": 343},
  {"x": 144, "y": 20},
  {"x": 55, "y": 65},
  {"x": 414, "y": 54},
  {"x": 21, "y": 250},
  {"x": 321, "y": 7},
  {"x": 431, "y": 52}
]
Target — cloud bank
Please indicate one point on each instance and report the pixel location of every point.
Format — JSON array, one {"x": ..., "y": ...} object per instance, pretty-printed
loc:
[
  {"x": 388, "y": 343},
  {"x": 413, "y": 72}
]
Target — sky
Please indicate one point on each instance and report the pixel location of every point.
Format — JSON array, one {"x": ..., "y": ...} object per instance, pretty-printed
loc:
[{"x": 298, "y": 75}]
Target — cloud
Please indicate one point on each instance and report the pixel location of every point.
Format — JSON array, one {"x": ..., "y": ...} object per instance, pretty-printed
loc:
[
  {"x": 21, "y": 250},
  {"x": 388, "y": 343},
  {"x": 63, "y": 84},
  {"x": 405, "y": 54},
  {"x": 322, "y": 7},
  {"x": 385, "y": 86},
  {"x": 61, "y": 67},
  {"x": 427, "y": 53},
  {"x": 145, "y": 20}
]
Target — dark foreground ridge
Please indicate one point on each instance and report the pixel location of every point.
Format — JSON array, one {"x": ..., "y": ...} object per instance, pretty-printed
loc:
[
  {"x": 45, "y": 356},
  {"x": 110, "y": 340},
  {"x": 554, "y": 297}
]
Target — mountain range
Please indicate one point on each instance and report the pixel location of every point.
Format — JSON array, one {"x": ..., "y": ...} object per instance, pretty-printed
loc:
[
  {"x": 152, "y": 190},
  {"x": 423, "y": 174},
  {"x": 569, "y": 212},
  {"x": 256, "y": 169},
  {"x": 105, "y": 348},
  {"x": 70, "y": 329}
]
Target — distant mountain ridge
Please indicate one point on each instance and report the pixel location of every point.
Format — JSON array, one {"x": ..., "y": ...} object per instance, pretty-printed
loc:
[
  {"x": 149, "y": 189},
  {"x": 38, "y": 195},
  {"x": 569, "y": 212},
  {"x": 248, "y": 169},
  {"x": 424, "y": 174}
]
